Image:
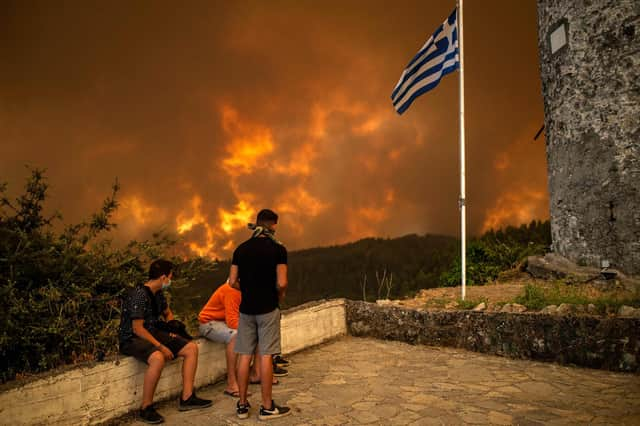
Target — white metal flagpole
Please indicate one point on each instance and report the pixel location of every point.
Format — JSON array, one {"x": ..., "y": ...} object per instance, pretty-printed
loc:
[{"x": 463, "y": 266}]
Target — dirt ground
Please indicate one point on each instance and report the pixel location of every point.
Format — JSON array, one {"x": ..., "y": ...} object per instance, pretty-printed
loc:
[{"x": 511, "y": 285}]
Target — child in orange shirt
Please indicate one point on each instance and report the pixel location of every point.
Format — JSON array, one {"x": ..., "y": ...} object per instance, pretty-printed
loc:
[{"x": 219, "y": 323}]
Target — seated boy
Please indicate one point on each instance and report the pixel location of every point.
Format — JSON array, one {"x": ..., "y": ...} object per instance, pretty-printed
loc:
[{"x": 142, "y": 310}]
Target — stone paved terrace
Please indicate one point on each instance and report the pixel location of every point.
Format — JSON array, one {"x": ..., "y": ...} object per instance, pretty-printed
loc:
[{"x": 366, "y": 381}]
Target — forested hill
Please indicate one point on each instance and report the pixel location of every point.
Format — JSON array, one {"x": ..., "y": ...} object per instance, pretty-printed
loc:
[{"x": 391, "y": 267}]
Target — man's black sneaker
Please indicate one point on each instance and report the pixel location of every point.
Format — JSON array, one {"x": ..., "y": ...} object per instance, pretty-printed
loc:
[
  {"x": 150, "y": 415},
  {"x": 274, "y": 412},
  {"x": 242, "y": 410},
  {"x": 279, "y": 372},
  {"x": 193, "y": 402},
  {"x": 280, "y": 362}
]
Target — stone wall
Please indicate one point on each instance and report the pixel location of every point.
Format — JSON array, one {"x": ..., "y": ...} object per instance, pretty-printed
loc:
[
  {"x": 606, "y": 343},
  {"x": 311, "y": 324},
  {"x": 591, "y": 91},
  {"x": 99, "y": 392},
  {"x": 106, "y": 390}
]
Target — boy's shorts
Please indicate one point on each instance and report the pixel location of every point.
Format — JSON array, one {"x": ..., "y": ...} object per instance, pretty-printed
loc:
[
  {"x": 142, "y": 349},
  {"x": 217, "y": 331},
  {"x": 262, "y": 331}
]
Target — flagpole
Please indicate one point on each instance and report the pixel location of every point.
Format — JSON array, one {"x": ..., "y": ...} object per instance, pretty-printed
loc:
[{"x": 463, "y": 266}]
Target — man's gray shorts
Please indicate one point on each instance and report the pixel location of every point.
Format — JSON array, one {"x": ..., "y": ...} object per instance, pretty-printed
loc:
[
  {"x": 217, "y": 331},
  {"x": 259, "y": 330}
]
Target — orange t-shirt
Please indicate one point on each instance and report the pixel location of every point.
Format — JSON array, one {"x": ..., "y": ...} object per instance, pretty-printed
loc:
[{"x": 223, "y": 305}]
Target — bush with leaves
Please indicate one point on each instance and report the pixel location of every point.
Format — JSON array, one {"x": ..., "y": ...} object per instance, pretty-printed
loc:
[
  {"x": 498, "y": 251},
  {"x": 60, "y": 291}
]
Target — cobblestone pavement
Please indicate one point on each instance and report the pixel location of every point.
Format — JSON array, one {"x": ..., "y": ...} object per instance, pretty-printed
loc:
[{"x": 366, "y": 381}]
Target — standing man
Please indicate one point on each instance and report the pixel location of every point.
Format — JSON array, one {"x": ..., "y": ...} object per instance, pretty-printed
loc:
[
  {"x": 143, "y": 308},
  {"x": 259, "y": 271},
  {"x": 219, "y": 323}
]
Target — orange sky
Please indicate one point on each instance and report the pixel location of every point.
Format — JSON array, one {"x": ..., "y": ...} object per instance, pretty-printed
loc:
[{"x": 210, "y": 111}]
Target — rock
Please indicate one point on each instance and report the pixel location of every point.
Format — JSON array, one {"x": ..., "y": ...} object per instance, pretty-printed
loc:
[
  {"x": 565, "y": 309},
  {"x": 513, "y": 308},
  {"x": 451, "y": 305},
  {"x": 539, "y": 267},
  {"x": 629, "y": 362},
  {"x": 592, "y": 309},
  {"x": 480, "y": 307},
  {"x": 580, "y": 309},
  {"x": 518, "y": 308},
  {"x": 551, "y": 310},
  {"x": 553, "y": 266},
  {"x": 628, "y": 311}
]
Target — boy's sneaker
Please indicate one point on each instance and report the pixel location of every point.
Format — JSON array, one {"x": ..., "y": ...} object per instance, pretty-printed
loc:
[
  {"x": 279, "y": 372},
  {"x": 280, "y": 362},
  {"x": 274, "y": 412},
  {"x": 242, "y": 410},
  {"x": 150, "y": 415},
  {"x": 193, "y": 402}
]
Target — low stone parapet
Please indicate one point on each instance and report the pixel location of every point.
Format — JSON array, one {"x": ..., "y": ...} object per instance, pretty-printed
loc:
[
  {"x": 101, "y": 391},
  {"x": 589, "y": 341}
]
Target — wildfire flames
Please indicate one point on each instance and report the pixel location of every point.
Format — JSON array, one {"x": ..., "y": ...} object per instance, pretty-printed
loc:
[{"x": 254, "y": 154}]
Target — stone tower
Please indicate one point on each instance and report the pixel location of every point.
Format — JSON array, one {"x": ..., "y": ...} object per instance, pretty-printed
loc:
[{"x": 590, "y": 71}]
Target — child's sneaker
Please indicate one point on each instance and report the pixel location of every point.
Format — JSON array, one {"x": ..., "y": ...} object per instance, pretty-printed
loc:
[
  {"x": 242, "y": 410},
  {"x": 274, "y": 412},
  {"x": 279, "y": 372},
  {"x": 150, "y": 415},
  {"x": 280, "y": 361},
  {"x": 193, "y": 402}
]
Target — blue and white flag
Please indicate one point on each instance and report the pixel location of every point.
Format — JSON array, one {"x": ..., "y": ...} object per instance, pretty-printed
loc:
[{"x": 438, "y": 57}]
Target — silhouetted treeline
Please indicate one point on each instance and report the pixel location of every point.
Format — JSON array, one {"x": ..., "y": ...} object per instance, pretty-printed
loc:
[
  {"x": 372, "y": 268},
  {"x": 375, "y": 268}
]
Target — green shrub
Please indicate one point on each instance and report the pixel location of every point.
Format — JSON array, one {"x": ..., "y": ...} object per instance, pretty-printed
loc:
[
  {"x": 60, "y": 291},
  {"x": 498, "y": 251},
  {"x": 533, "y": 298}
]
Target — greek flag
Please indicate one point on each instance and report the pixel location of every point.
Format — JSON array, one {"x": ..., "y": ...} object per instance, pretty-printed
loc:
[{"x": 438, "y": 57}]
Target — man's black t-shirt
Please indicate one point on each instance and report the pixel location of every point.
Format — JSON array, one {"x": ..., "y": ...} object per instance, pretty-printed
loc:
[{"x": 256, "y": 259}]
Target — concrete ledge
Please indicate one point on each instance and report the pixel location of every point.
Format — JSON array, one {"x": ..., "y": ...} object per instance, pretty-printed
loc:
[
  {"x": 311, "y": 324},
  {"x": 604, "y": 343},
  {"x": 106, "y": 390}
]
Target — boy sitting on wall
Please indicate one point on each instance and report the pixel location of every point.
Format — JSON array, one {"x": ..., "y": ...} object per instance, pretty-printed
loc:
[{"x": 143, "y": 309}]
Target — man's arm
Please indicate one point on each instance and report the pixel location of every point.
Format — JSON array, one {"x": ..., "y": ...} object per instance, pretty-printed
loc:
[
  {"x": 232, "y": 310},
  {"x": 143, "y": 333},
  {"x": 233, "y": 277},
  {"x": 281, "y": 272}
]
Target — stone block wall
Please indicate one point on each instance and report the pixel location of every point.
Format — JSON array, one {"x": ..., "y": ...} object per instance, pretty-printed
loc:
[
  {"x": 591, "y": 90},
  {"x": 102, "y": 391},
  {"x": 311, "y": 324},
  {"x": 606, "y": 343}
]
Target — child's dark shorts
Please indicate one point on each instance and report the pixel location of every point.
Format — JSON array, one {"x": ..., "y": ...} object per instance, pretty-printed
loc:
[{"x": 141, "y": 349}]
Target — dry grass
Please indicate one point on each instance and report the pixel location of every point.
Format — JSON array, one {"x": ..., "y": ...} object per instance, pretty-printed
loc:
[{"x": 511, "y": 287}]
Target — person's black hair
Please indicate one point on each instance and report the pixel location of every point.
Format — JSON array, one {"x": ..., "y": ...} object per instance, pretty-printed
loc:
[
  {"x": 159, "y": 268},
  {"x": 267, "y": 217}
]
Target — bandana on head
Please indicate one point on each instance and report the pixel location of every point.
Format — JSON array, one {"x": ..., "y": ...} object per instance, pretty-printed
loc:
[{"x": 262, "y": 230}]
